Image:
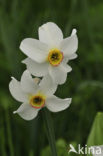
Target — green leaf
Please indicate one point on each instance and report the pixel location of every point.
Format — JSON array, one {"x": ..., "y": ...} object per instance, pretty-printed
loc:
[
  {"x": 50, "y": 131},
  {"x": 96, "y": 135}
]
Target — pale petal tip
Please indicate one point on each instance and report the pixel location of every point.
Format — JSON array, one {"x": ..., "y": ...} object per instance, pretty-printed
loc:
[
  {"x": 21, "y": 44},
  {"x": 69, "y": 101},
  {"x": 24, "y": 61},
  {"x": 12, "y": 78},
  {"x": 44, "y": 26},
  {"x": 70, "y": 69},
  {"x": 74, "y": 31},
  {"x": 76, "y": 55},
  {"x": 14, "y": 112}
]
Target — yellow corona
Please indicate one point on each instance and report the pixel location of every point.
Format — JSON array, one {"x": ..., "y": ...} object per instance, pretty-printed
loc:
[
  {"x": 55, "y": 57},
  {"x": 37, "y": 101}
]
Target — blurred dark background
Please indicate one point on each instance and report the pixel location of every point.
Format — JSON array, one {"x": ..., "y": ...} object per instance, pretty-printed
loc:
[{"x": 21, "y": 19}]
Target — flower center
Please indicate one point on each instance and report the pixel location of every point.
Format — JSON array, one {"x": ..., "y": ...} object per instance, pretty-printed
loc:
[
  {"x": 37, "y": 101},
  {"x": 55, "y": 57}
]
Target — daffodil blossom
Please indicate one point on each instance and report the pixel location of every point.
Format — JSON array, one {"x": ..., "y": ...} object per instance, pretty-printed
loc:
[
  {"x": 35, "y": 94},
  {"x": 51, "y": 53}
]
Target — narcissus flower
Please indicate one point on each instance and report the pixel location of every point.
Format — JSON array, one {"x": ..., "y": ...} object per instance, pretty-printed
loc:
[
  {"x": 51, "y": 53},
  {"x": 35, "y": 94}
]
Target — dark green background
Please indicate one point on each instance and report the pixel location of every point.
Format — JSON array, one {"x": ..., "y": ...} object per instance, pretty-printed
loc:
[{"x": 21, "y": 19}]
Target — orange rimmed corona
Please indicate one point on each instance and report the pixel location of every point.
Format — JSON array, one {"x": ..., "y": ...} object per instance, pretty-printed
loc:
[
  {"x": 55, "y": 57},
  {"x": 37, "y": 101}
]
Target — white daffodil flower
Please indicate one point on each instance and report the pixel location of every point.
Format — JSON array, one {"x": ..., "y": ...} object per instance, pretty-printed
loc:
[
  {"x": 36, "y": 94},
  {"x": 51, "y": 53}
]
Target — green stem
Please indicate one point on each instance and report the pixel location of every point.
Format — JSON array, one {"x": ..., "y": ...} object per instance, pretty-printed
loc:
[
  {"x": 2, "y": 136},
  {"x": 50, "y": 131},
  {"x": 10, "y": 143},
  {"x": 34, "y": 127}
]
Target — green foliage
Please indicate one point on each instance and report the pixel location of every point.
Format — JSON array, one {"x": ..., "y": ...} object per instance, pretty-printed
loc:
[
  {"x": 96, "y": 134},
  {"x": 21, "y": 19},
  {"x": 61, "y": 149}
]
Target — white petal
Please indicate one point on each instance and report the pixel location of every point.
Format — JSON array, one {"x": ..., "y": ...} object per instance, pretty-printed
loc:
[
  {"x": 27, "y": 112},
  {"x": 47, "y": 86},
  {"x": 34, "y": 49},
  {"x": 50, "y": 33},
  {"x": 59, "y": 73},
  {"x": 74, "y": 31},
  {"x": 69, "y": 45},
  {"x": 68, "y": 58},
  {"x": 73, "y": 56},
  {"x": 55, "y": 104},
  {"x": 65, "y": 60},
  {"x": 36, "y": 69},
  {"x": 16, "y": 91},
  {"x": 67, "y": 68},
  {"x": 27, "y": 83}
]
